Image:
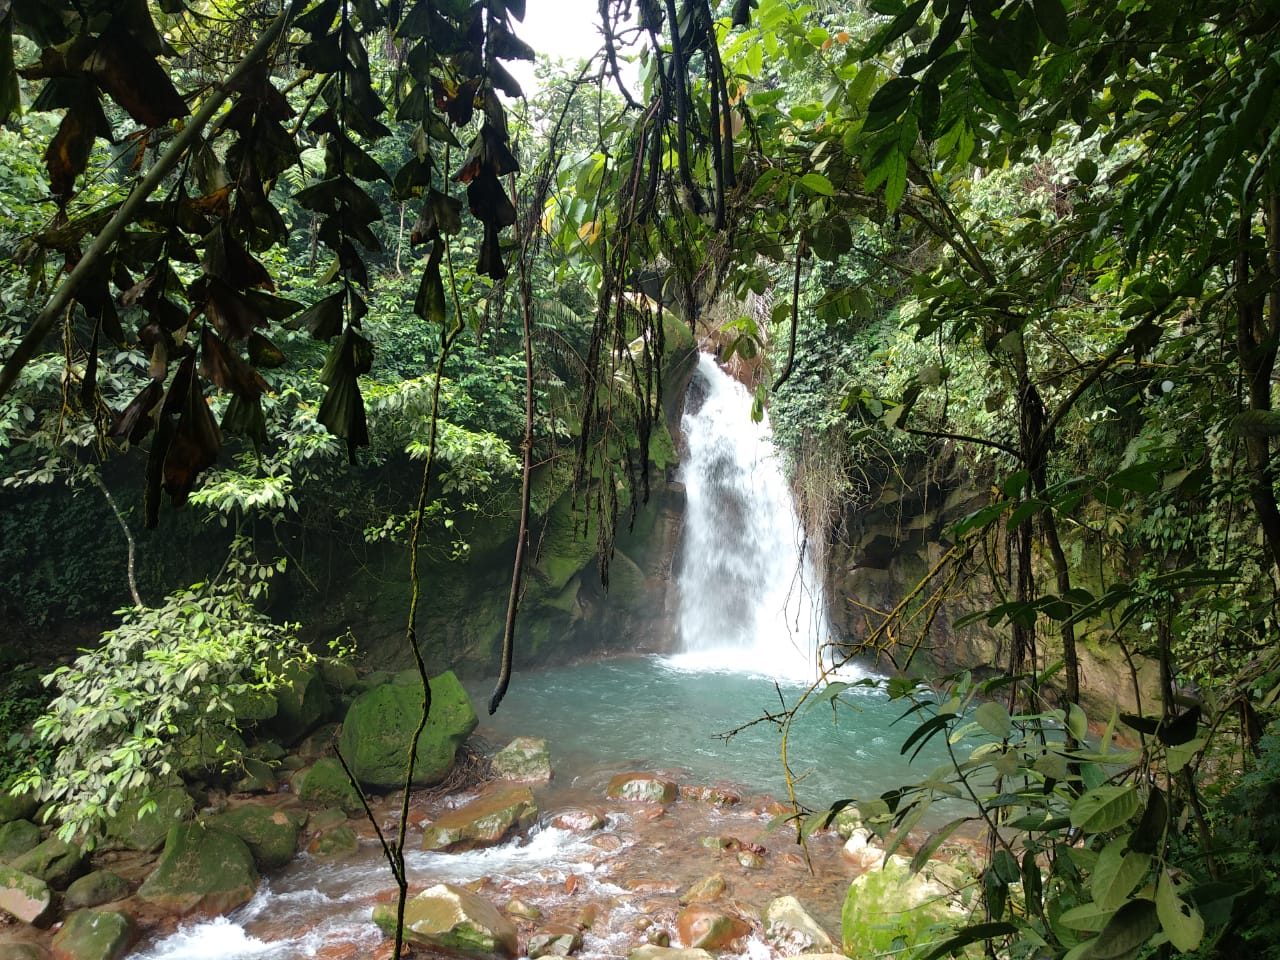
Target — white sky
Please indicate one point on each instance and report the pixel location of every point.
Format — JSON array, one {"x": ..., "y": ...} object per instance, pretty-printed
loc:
[{"x": 558, "y": 28}]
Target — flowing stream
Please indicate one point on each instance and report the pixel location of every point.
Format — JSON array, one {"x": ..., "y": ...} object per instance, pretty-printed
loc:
[{"x": 750, "y": 622}]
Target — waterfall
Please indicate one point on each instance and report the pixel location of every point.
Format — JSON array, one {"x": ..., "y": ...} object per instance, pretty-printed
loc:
[{"x": 750, "y": 599}]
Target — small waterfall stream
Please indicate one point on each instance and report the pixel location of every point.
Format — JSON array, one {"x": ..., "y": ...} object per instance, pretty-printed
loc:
[{"x": 750, "y": 598}]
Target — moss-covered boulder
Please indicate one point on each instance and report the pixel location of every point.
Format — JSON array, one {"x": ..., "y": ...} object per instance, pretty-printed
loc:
[
  {"x": 453, "y": 919},
  {"x": 24, "y": 897},
  {"x": 210, "y": 753},
  {"x": 334, "y": 843},
  {"x": 95, "y": 889},
  {"x": 16, "y": 838},
  {"x": 524, "y": 758},
  {"x": 379, "y": 728},
  {"x": 94, "y": 935},
  {"x": 642, "y": 788},
  {"x": 325, "y": 783},
  {"x": 137, "y": 830},
  {"x": 15, "y": 806},
  {"x": 256, "y": 776},
  {"x": 271, "y": 835},
  {"x": 302, "y": 703},
  {"x": 203, "y": 870},
  {"x": 483, "y": 822},
  {"x": 54, "y": 861}
]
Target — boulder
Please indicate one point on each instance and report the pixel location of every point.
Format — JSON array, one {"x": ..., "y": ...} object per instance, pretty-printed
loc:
[
  {"x": 579, "y": 819},
  {"x": 483, "y": 822},
  {"x": 318, "y": 743},
  {"x": 95, "y": 889},
  {"x": 23, "y": 896},
  {"x": 325, "y": 783},
  {"x": 705, "y": 890},
  {"x": 253, "y": 705},
  {"x": 651, "y": 951},
  {"x": 554, "y": 941},
  {"x": 522, "y": 909},
  {"x": 54, "y": 861},
  {"x": 17, "y": 806},
  {"x": 202, "y": 870},
  {"x": 453, "y": 919},
  {"x": 209, "y": 753},
  {"x": 16, "y": 838},
  {"x": 94, "y": 935},
  {"x": 706, "y": 927},
  {"x": 271, "y": 835},
  {"x": 718, "y": 796},
  {"x": 25, "y": 951},
  {"x": 339, "y": 841},
  {"x": 379, "y": 728},
  {"x": 524, "y": 758},
  {"x": 642, "y": 788},
  {"x": 791, "y": 930},
  {"x": 259, "y": 777},
  {"x": 302, "y": 702},
  {"x": 146, "y": 831}
]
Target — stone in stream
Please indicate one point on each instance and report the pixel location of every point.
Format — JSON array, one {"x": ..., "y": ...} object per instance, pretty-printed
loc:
[
  {"x": 379, "y": 727},
  {"x": 651, "y": 951},
  {"x": 272, "y": 835},
  {"x": 705, "y": 890},
  {"x": 709, "y": 928},
  {"x": 94, "y": 935},
  {"x": 715, "y": 795},
  {"x": 453, "y": 919},
  {"x": 579, "y": 819},
  {"x": 642, "y": 788},
  {"x": 17, "y": 806},
  {"x": 556, "y": 940},
  {"x": 325, "y": 782},
  {"x": 95, "y": 889},
  {"x": 16, "y": 838},
  {"x": 791, "y": 930},
  {"x": 524, "y": 758},
  {"x": 54, "y": 861},
  {"x": 23, "y": 896},
  {"x": 483, "y": 822},
  {"x": 339, "y": 841},
  {"x": 202, "y": 870}
]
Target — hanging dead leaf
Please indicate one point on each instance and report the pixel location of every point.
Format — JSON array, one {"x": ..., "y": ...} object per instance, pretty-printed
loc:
[{"x": 137, "y": 419}]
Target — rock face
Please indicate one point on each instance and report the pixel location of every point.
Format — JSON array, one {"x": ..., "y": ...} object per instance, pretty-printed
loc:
[
  {"x": 203, "y": 870},
  {"x": 94, "y": 935},
  {"x": 453, "y": 919},
  {"x": 379, "y": 728},
  {"x": 642, "y": 788},
  {"x": 271, "y": 835},
  {"x": 147, "y": 832},
  {"x": 524, "y": 758},
  {"x": 54, "y": 861},
  {"x": 23, "y": 896},
  {"x": 483, "y": 822},
  {"x": 791, "y": 930}
]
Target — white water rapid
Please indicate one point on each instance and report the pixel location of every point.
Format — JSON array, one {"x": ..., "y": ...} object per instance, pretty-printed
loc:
[{"x": 750, "y": 598}]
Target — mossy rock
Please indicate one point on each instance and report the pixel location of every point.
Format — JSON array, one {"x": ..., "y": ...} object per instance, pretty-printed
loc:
[
  {"x": 16, "y": 838},
  {"x": 452, "y": 919},
  {"x": 210, "y": 753},
  {"x": 302, "y": 700},
  {"x": 95, "y": 889},
  {"x": 203, "y": 870},
  {"x": 24, "y": 897},
  {"x": 94, "y": 935},
  {"x": 339, "y": 841},
  {"x": 339, "y": 674},
  {"x": 258, "y": 777},
  {"x": 17, "y": 806},
  {"x": 485, "y": 821},
  {"x": 524, "y": 758},
  {"x": 325, "y": 783},
  {"x": 54, "y": 861},
  {"x": 253, "y": 705},
  {"x": 272, "y": 835},
  {"x": 147, "y": 832},
  {"x": 379, "y": 728}
]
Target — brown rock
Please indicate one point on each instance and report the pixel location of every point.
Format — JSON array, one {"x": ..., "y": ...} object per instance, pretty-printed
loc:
[
  {"x": 483, "y": 822},
  {"x": 579, "y": 819},
  {"x": 719, "y": 796},
  {"x": 707, "y": 928},
  {"x": 642, "y": 788}
]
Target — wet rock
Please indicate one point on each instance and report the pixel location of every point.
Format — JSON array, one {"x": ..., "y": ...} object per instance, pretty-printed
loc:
[
  {"x": 791, "y": 930},
  {"x": 94, "y": 935},
  {"x": 651, "y": 951},
  {"x": 524, "y": 758},
  {"x": 718, "y": 843},
  {"x": 17, "y": 806},
  {"x": 337, "y": 842},
  {"x": 845, "y": 822},
  {"x": 54, "y": 861},
  {"x": 95, "y": 889},
  {"x": 522, "y": 910},
  {"x": 705, "y": 890},
  {"x": 718, "y": 796},
  {"x": 700, "y": 925},
  {"x": 302, "y": 702},
  {"x": 483, "y": 822},
  {"x": 554, "y": 941},
  {"x": 23, "y": 896},
  {"x": 608, "y": 842},
  {"x": 861, "y": 851},
  {"x": 379, "y": 727},
  {"x": 259, "y": 777},
  {"x": 318, "y": 743},
  {"x": 325, "y": 782},
  {"x": 16, "y": 838},
  {"x": 203, "y": 870},
  {"x": 579, "y": 819},
  {"x": 642, "y": 788},
  {"x": 750, "y": 860},
  {"x": 271, "y": 835},
  {"x": 135, "y": 830},
  {"x": 25, "y": 951},
  {"x": 658, "y": 937},
  {"x": 326, "y": 819},
  {"x": 451, "y": 918}
]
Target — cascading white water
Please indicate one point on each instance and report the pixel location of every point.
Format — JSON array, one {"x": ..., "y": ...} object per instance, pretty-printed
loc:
[{"x": 749, "y": 597}]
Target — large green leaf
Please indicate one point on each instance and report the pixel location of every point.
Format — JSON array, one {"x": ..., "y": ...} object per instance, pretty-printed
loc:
[{"x": 1104, "y": 808}]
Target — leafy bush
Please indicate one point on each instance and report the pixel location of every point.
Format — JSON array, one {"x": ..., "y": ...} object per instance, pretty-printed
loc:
[
  {"x": 164, "y": 678},
  {"x": 22, "y": 700}
]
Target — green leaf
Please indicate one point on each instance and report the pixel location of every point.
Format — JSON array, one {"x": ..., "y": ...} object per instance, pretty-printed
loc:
[
  {"x": 1104, "y": 808},
  {"x": 1052, "y": 17},
  {"x": 994, "y": 719},
  {"x": 1127, "y": 932},
  {"x": 1086, "y": 918},
  {"x": 978, "y": 933},
  {"x": 1077, "y": 722},
  {"x": 1181, "y": 922},
  {"x": 1118, "y": 871},
  {"x": 817, "y": 183},
  {"x": 889, "y": 102}
]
